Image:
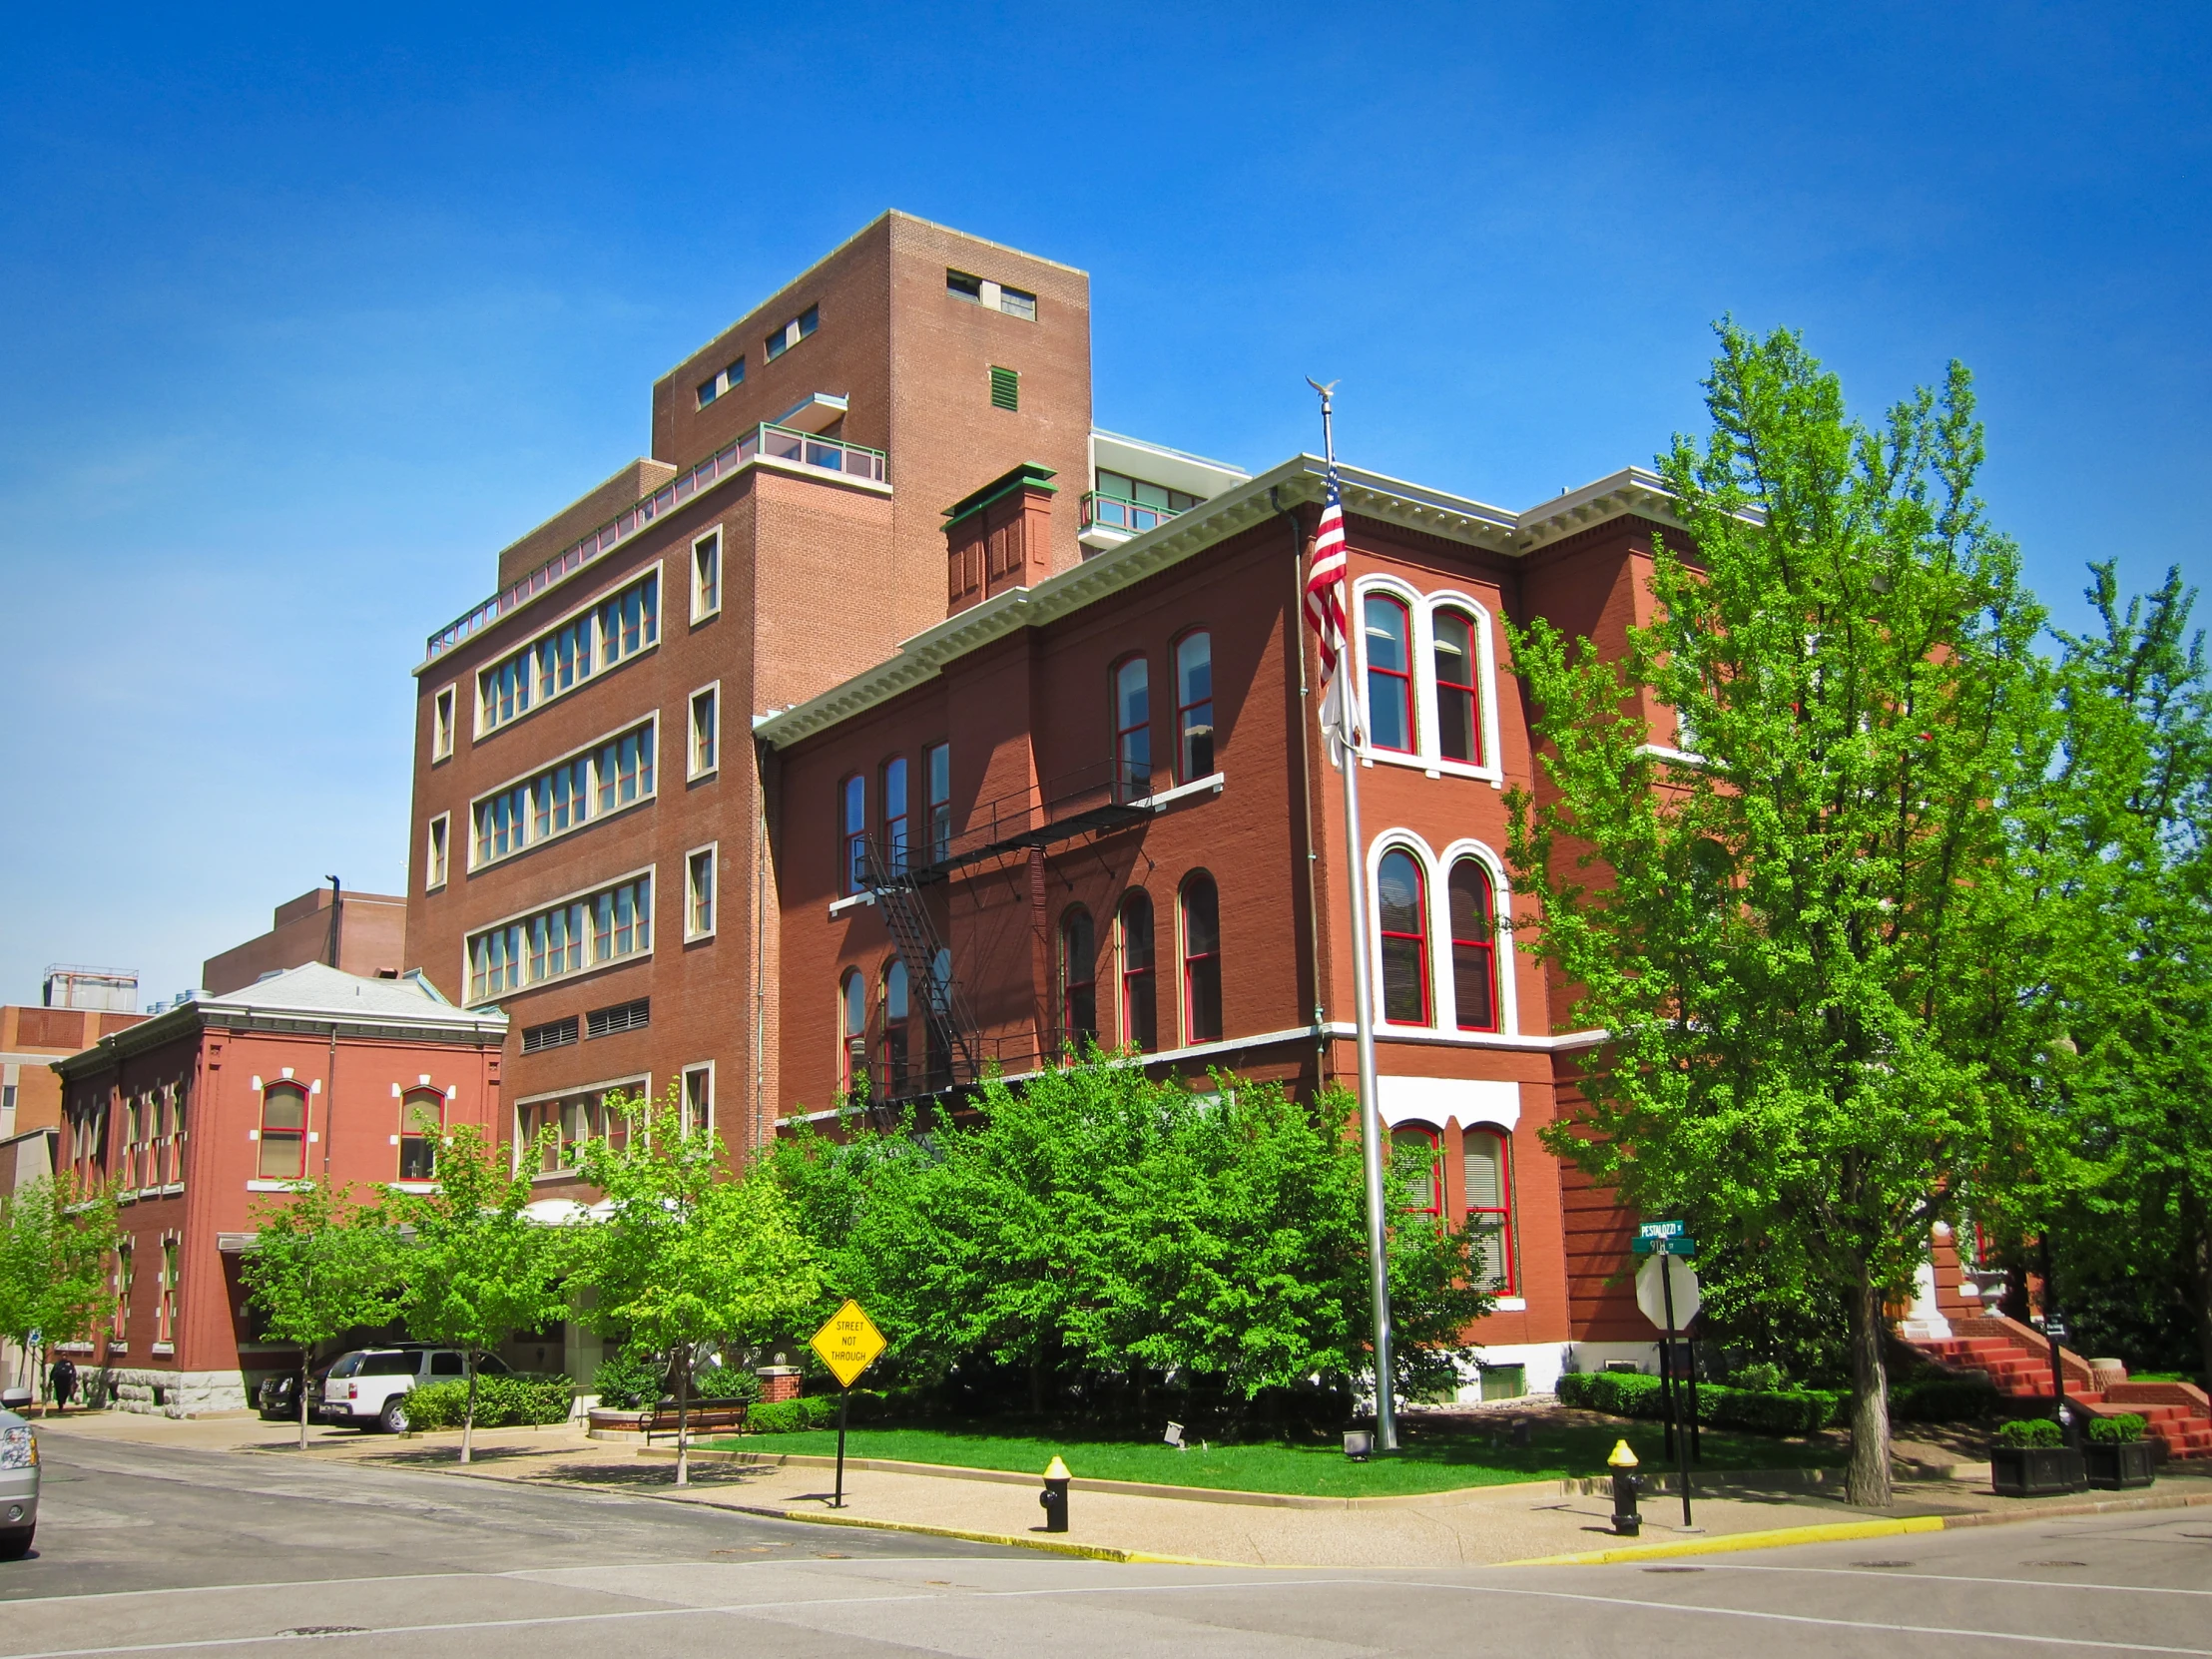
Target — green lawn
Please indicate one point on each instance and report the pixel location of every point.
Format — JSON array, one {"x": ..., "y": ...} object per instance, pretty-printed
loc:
[{"x": 1431, "y": 1462}]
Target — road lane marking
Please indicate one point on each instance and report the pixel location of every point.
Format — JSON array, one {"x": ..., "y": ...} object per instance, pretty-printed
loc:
[
  {"x": 1964, "y": 1578},
  {"x": 1801, "y": 1618}
]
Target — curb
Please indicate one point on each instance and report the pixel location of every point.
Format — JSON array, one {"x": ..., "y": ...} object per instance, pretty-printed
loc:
[
  {"x": 1844, "y": 1532},
  {"x": 1088, "y": 1553}
]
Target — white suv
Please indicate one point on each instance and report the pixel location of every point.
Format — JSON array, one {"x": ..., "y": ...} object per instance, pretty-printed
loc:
[{"x": 368, "y": 1387}]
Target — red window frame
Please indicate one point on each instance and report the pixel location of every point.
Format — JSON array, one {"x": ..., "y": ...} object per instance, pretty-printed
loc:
[
  {"x": 853, "y": 823},
  {"x": 1139, "y": 972},
  {"x": 896, "y": 812},
  {"x": 1475, "y": 951},
  {"x": 1416, "y": 942},
  {"x": 851, "y": 1029},
  {"x": 1398, "y": 681},
  {"x": 1410, "y": 1134},
  {"x": 899, "y": 1009},
  {"x": 1132, "y": 737},
  {"x": 1200, "y": 966},
  {"x": 1189, "y": 766},
  {"x": 276, "y": 1135},
  {"x": 1078, "y": 979},
  {"x": 1507, "y": 1282},
  {"x": 1468, "y": 689}
]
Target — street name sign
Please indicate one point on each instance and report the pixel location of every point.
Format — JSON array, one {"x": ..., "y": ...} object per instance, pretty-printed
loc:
[
  {"x": 849, "y": 1343},
  {"x": 1661, "y": 1229},
  {"x": 1663, "y": 1247}
]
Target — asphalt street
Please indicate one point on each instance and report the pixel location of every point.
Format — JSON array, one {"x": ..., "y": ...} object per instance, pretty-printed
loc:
[{"x": 153, "y": 1550}]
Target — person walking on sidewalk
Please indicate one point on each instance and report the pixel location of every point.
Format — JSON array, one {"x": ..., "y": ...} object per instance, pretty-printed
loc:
[{"x": 63, "y": 1380}]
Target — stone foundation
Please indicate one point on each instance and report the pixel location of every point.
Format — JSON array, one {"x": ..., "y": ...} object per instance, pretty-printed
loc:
[{"x": 169, "y": 1393}]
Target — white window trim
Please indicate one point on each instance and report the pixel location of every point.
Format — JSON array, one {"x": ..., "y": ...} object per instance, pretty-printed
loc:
[
  {"x": 531, "y": 841},
  {"x": 449, "y": 695},
  {"x": 470, "y": 935},
  {"x": 1422, "y": 608},
  {"x": 697, "y": 1068},
  {"x": 652, "y": 567},
  {"x": 640, "y": 1083},
  {"x": 433, "y": 880},
  {"x": 713, "y": 849},
  {"x": 692, "y": 771},
  {"x": 701, "y": 613},
  {"x": 1436, "y": 867}
]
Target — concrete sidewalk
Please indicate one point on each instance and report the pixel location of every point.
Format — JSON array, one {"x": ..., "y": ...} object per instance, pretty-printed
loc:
[{"x": 1471, "y": 1527}]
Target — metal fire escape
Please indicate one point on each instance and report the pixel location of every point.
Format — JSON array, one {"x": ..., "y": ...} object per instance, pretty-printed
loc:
[{"x": 1092, "y": 800}]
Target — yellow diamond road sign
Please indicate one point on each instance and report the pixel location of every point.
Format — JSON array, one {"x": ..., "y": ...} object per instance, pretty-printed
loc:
[{"x": 849, "y": 1343}]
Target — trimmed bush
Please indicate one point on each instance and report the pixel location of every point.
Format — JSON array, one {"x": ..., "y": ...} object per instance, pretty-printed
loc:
[
  {"x": 2031, "y": 1431},
  {"x": 726, "y": 1386},
  {"x": 628, "y": 1382},
  {"x": 1943, "y": 1400},
  {"x": 1759, "y": 1412},
  {"x": 783, "y": 1417},
  {"x": 2123, "y": 1429},
  {"x": 501, "y": 1401}
]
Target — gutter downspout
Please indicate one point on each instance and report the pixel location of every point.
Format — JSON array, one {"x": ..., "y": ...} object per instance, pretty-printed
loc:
[{"x": 1305, "y": 780}]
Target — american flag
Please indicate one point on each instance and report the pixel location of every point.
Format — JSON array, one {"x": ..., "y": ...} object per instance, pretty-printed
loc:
[
  {"x": 1325, "y": 614},
  {"x": 1324, "y": 580}
]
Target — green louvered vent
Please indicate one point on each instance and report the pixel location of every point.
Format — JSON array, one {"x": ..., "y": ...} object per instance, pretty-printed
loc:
[{"x": 1005, "y": 388}]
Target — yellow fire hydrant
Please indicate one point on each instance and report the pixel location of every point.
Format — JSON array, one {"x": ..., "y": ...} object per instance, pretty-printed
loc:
[
  {"x": 1626, "y": 1521},
  {"x": 1054, "y": 1497}
]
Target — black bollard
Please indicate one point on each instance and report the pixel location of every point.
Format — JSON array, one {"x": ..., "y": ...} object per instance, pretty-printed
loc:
[{"x": 1054, "y": 1497}]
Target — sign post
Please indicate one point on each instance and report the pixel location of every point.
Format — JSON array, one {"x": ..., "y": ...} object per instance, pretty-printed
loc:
[
  {"x": 849, "y": 1343},
  {"x": 1666, "y": 1239}
]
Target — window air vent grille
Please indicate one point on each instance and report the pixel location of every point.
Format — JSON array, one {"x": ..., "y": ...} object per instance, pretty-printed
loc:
[
  {"x": 558, "y": 1033},
  {"x": 623, "y": 1016}
]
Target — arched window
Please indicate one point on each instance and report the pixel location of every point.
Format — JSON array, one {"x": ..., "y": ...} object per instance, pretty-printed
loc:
[
  {"x": 1078, "y": 979},
  {"x": 1201, "y": 961},
  {"x": 853, "y": 1028},
  {"x": 1132, "y": 730},
  {"x": 897, "y": 1007},
  {"x": 895, "y": 807},
  {"x": 1140, "y": 1008},
  {"x": 1389, "y": 672},
  {"x": 1489, "y": 1189},
  {"x": 421, "y": 1127},
  {"x": 1473, "y": 946},
  {"x": 1426, "y": 1197},
  {"x": 853, "y": 819},
  {"x": 283, "y": 1132},
  {"x": 1194, "y": 707},
  {"x": 1458, "y": 703},
  {"x": 1402, "y": 916}
]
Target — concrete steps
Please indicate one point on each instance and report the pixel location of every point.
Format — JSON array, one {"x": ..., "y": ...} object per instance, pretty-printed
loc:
[{"x": 2017, "y": 1365}]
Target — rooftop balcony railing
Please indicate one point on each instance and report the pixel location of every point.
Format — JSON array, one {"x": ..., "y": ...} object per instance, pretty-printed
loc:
[
  {"x": 1115, "y": 512},
  {"x": 778, "y": 443}
]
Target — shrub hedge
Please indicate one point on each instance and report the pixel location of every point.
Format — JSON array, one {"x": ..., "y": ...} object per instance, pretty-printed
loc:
[
  {"x": 1779, "y": 1410},
  {"x": 2122, "y": 1430},
  {"x": 2031, "y": 1431},
  {"x": 501, "y": 1401}
]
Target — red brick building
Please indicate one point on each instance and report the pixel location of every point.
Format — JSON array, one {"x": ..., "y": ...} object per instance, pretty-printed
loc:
[
  {"x": 221, "y": 1104},
  {"x": 356, "y": 932},
  {"x": 889, "y": 718}
]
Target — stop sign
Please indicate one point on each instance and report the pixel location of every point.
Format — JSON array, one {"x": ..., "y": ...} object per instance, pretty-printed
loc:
[{"x": 1651, "y": 1297}]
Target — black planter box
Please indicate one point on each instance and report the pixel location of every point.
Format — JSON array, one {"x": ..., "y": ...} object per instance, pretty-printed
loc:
[
  {"x": 2115, "y": 1465},
  {"x": 2036, "y": 1470}
]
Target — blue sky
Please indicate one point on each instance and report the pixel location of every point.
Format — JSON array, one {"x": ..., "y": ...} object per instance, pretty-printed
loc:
[{"x": 302, "y": 317}]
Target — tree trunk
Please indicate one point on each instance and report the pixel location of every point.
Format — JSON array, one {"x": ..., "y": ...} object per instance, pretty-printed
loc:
[
  {"x": 683, "y": 1420},
  {"x": 468, "y": 1418},
  {"x": 1867, "y": 1485},
  {"x": 304, "y": 1362}
]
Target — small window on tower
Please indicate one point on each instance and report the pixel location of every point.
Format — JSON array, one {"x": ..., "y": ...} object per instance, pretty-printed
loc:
[{"x": 1005, "y": 388}]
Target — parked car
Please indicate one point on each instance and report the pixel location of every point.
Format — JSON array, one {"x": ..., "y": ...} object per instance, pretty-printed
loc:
[
  {"x": 368, "y": 1387},
  {"x": 18, "y": 1486},
  {"x": 278, "y": 1397}
]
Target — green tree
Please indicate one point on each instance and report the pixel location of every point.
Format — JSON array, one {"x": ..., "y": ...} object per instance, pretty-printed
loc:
[
  {"x": 320, "y": 1265},
  {"x": 472, "y": 1268},
  {"x": 1804, "y": 943},
  {"x": 2122, "y": 841},
  {"x": 1097, "y": 1217},
  {"x": 56, "y": 1242},
  {"x": 687, "y": 1253}
]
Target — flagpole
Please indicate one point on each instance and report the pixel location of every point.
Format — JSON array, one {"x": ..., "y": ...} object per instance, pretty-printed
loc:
[{"x": 1362, "y": 994}]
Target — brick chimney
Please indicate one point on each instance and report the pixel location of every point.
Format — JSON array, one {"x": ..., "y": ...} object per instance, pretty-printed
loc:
[{"x": 999, "y": 538}]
